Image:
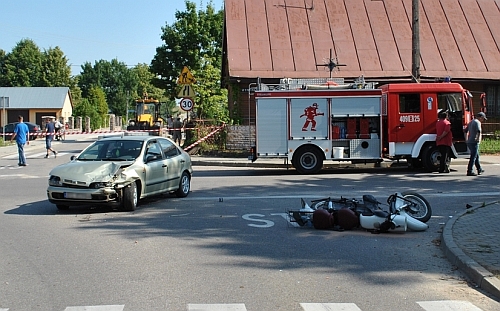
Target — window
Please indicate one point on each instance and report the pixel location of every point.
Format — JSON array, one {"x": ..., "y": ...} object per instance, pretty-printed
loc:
[
  {"x": 169, "y": 149},
  {"x": 409, "y": 103},
  {"x": 493, "y": 100},
  {"x": 451, "y": 102},
  {"x": 153, "y": 151}
]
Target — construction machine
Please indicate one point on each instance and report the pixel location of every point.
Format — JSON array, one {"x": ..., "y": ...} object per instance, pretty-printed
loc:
[{"x": 146, "y": 116}]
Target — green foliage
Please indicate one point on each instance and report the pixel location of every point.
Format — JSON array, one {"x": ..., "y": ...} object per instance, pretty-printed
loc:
[
  {"x": 490, "y": 145},
  {"x": 194, "y": 40},
  {"x": 23, "y": 66},
  {"x": 211, "y": 100},
  {"x": 93, "y": 106},
  {"x": 114, "y": 78}
]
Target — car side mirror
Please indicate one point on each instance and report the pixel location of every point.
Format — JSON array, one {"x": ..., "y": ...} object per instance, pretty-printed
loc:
[
  {"x": 150, "y": 158},
  {"x": 72, "y": 157}
]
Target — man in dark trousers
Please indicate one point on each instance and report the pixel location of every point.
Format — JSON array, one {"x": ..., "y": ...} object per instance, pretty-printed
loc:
[
  {"x": 177, "y": 131},
  {"x": 21, "y": 134},
  {"x": 50, "y": 131},
  {"x": 444, "y": 139}
]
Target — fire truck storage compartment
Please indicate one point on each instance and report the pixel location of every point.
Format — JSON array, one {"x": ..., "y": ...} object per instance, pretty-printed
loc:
[
  {"x": 355, "y": 127},
  {"x": 271, "y": 118}
]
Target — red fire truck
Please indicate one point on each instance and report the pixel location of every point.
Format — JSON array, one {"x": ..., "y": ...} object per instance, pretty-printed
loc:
[{"x": 308, "y": 121}]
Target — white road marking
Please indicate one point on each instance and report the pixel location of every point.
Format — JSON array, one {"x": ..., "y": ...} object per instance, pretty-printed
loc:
[
  {"x": 34, "y": 155},
  {"x": 448, "y": 305},
  {"x": 329, "y": 307},
  {"x": 217, "y": 307},
  {"x": 97, "y": 308}
]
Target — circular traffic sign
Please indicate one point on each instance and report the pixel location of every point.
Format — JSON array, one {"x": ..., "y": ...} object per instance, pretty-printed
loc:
[{"x": 186, "y": 104}]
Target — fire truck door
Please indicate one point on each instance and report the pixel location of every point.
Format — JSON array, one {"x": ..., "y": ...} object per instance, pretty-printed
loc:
[{"x": 414, "y": 109}]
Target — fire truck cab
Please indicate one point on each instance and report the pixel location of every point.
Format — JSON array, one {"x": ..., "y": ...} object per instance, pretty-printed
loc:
[{"x": 308, "y": 121}]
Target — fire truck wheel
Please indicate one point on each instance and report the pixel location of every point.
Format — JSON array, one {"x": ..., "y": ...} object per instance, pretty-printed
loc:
[
  {"x": 307, "y": 160},
  {"x": 430, "y": 158}
]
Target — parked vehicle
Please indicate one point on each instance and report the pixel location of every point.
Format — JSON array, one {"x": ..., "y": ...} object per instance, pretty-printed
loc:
[
  {"x": 407, "y": 211},
  {"x": 34, "y": 129},
  {"x": 120, "y": 170},
  {"x": 308, "y": 121},
  {"x": 146, "y": 116}
]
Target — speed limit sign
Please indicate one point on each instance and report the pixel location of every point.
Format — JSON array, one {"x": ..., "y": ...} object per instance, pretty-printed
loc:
[{"x": 186, "y": 104}]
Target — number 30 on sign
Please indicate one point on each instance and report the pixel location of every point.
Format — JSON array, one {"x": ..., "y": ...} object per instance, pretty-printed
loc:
[{"x": 186, "y": 104}]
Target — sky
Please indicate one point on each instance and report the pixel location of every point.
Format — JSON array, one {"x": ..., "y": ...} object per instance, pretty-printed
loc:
[{"x": 91, "y": 30}]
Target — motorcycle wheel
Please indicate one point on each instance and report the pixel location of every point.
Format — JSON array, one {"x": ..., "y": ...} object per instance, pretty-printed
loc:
[
  {"x": 319, "y": 205},
  {"x": 424, "y": 211}
]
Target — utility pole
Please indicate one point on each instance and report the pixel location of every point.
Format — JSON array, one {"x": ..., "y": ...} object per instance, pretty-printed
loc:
[{"x": 415, "y": 42}]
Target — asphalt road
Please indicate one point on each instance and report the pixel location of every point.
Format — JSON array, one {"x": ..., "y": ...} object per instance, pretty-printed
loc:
[{"x": 228, "y": 246}]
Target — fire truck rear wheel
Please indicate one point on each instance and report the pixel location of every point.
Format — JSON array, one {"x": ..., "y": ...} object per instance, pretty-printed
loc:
[{"x": 307, "y": 160}]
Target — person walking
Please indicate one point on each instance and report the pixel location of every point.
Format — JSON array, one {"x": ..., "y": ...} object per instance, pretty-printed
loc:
[
  {"x": 50, "y": 131},
  {"x": 21, "y": 134},
  {"x": 444, "y": 140},
  {"x": 177, "y": 131},
  {"x": 473, "y": 140}
]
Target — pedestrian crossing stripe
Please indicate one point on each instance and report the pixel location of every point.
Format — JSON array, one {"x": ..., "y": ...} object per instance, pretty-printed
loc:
[
  {"x": 448, "y": 305},
  {"x": 441, "y": 305},
  {"x": 33, "y": 156},
  {"x": 217, "y": 307},
  {"x": 97, "y": 308},
  {"x": 329, "y": 307}
]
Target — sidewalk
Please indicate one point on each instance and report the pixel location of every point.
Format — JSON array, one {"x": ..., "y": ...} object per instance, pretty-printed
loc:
[{"x": 470, "y": 240}]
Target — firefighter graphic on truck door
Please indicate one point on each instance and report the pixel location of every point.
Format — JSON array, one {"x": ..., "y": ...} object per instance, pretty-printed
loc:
[
  {"x": 309, "y": 118},
  {"x": 310, "y": 113}
]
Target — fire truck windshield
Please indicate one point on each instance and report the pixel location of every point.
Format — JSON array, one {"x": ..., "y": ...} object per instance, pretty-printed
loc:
[{"x": 450, "y": 102}]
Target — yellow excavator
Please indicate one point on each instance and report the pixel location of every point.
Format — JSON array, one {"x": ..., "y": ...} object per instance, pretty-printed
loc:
[{"x": 146, "y": 116}]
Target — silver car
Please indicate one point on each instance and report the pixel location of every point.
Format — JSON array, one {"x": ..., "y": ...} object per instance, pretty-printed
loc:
[{"x": 120, "y": 170}]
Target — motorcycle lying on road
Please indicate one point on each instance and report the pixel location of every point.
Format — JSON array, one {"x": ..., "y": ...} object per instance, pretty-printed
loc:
[{"x": 407, "y": 211}]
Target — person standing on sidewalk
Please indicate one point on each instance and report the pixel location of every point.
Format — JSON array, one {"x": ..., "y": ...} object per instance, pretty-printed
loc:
[
  {"x": 473, "y": 141},
  {"x": 177, "y": 131},
  {"x": 50, "y": 131},
  {"x": 444, "y": 139},
  {"x": 21, "y": 134}
]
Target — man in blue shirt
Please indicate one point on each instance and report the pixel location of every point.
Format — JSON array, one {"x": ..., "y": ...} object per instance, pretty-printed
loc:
[
  {"x": 21, "y": 134},
  {"x": 50, "y": 131}
]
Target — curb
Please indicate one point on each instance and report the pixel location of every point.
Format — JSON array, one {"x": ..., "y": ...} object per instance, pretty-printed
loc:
[{"x": 477, "y": 273}]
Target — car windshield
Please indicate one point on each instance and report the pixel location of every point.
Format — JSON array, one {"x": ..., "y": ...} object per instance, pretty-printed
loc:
[{"x": 112, "y": 150}]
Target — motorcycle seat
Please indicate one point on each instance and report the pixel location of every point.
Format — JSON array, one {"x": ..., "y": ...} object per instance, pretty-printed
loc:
[{"x": 375, "y": 212}]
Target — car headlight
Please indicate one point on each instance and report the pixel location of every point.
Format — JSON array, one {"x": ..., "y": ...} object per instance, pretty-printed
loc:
[
  {"x": 55, "y": 181},
  {"x": 98, "y": 185}
]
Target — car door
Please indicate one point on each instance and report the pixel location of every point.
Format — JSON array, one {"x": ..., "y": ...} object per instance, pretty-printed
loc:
[
  {"x": 173, "y": 161},
  {"x": 155, "y": 167}
]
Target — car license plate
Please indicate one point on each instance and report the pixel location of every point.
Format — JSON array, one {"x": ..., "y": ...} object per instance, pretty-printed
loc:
[{"x": 72, "y": 195}]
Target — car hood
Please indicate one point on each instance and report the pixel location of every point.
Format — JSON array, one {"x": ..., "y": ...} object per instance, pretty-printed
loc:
[{"x": 87, "y": 171}]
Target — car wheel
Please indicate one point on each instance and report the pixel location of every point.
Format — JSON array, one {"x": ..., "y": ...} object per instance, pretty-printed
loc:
[
  {"x": 62, "y": 207},
  {"x": 130, "y": 197},
  {"x": 184, "y": 186}
]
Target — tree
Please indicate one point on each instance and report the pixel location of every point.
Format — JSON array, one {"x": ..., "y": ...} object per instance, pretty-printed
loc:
[
  {"x": 114, "y": 78},
  {"x": 23, "y": 66},
  {"x": 55, "y": 69},
  {"x": 193, "y": 40},
  {"x": 93, "y": 106},
  {"x": 27, "y": 66}
]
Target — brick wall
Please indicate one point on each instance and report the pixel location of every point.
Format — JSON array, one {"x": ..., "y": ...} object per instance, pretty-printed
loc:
[{"x": 240, "y": 137}]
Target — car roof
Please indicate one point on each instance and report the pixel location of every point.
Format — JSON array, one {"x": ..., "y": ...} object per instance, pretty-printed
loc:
[{"x": 132, "y": 137}]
